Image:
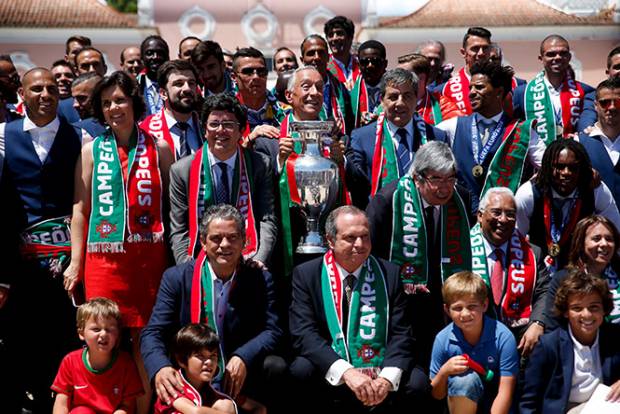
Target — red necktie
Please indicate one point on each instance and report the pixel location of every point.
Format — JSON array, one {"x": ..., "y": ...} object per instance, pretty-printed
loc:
[{"x": 497, "y": 276}]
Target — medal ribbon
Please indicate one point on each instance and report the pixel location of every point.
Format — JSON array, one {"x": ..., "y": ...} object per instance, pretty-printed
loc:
[
  {"x": 479, "y": 156},
  {"x": 553, "y": 234}
]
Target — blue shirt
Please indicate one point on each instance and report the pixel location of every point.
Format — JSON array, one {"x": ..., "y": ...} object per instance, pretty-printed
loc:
[{"x": 496, "y": 350}]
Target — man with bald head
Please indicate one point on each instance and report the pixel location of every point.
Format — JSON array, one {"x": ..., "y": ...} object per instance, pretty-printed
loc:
[
  {"x": 131, "y": 61},
  {"x": 37, "y": 192},
  {"x": 544, "y": 97}
]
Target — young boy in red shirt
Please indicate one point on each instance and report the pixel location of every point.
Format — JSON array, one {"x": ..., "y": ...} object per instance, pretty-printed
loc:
[{"x": 98, "y": 378}]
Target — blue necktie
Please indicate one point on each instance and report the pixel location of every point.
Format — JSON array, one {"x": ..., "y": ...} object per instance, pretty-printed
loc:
[
  {"x": 183, "y": 149},
  {"x": 222, "y": 187},
  {"x": 402, "y": 152}
]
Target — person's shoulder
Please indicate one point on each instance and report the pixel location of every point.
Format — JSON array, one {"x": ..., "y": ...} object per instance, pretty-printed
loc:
[
  {"x": 610, "y": 331},
  {"x": 586, "y": 88},
  {"x": 179, "y": 270},
  {"x": 308, "y": 269},
  {"x": 259, "y": 158},
  {"x": 366, "y": 130},
  {"x": 183, "y": 164}
]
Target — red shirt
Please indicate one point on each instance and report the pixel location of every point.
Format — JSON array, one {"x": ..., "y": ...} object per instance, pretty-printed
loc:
[{"x": 102, "y": 391}]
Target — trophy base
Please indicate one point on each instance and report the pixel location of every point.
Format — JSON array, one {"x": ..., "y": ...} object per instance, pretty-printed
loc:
[{"x": 310, "y": 249}]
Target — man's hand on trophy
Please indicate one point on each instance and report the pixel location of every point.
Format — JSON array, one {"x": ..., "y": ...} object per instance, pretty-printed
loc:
[
  {"x": 285, "y": 147},
  {"x": 336, "y": 150}
]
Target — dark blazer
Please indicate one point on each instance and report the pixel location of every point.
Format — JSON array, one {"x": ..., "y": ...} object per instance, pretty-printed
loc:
[
  {"x": 67, "y": 111},
  {"x": 546, "y": 382},
  {"x": 90, "y": 125},
  {"x": 359, "y": 158},
  {"x": 262, "y": 202},
  {"x": 308, "y": 325},
  {"x": 251, "y": 329}
]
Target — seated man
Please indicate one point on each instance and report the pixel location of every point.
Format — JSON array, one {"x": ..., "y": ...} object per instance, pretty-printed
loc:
[
  {"x": 235, "y": 300},
  {"x": 347, "y": 321}
]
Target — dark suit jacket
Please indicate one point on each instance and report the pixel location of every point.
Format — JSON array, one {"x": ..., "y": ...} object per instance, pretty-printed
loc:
[
  {"x": 251, "y": 329},
  {"x": 308, "y": 325},
  {"x": 546, "y": 383},
  {"x": 262, "y": 202},
  {"x": 359, "y": 159}
]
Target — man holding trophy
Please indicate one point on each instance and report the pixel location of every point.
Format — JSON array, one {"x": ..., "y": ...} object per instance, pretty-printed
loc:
[{"x": 309, "y": 187}]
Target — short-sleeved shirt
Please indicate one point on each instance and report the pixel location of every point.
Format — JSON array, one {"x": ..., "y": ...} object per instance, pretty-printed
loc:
[
  {"x": 496, "y": 350},
  {"x": 102, "y": 390}
]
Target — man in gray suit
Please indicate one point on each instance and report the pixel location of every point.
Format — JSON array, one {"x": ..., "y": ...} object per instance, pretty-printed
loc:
[{"x": 223, "y": 172}]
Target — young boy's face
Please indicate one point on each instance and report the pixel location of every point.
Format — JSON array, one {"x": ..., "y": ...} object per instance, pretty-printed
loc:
[
  {"x": 100, "y": 334},
  {"x": 585, "y": 315},
  {"x": 201, "y": 367},
  {"x": 467, "y": 313}
]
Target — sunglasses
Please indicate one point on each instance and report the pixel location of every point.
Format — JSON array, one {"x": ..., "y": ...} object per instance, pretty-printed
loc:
[
  {"x": 262, "y": 72},
  {"x": 606, "y": 103},
  {"x": 374, "y": 60}
]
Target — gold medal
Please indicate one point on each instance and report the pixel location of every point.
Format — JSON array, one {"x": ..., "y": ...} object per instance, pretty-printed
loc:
[
  {"x": 477, "y": 171},
  {"x": 554, "y": 249}
]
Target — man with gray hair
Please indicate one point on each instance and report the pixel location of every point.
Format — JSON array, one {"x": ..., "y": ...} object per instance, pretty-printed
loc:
[
  {"x": 421, "y": 224},
  {"x": 435, "y": 52},
  {"x": 236, "y": 300},
  {"x": 339, "y": 356},
  {"x": 382, "y": 151},
  {"x": 513, "y": 268}
]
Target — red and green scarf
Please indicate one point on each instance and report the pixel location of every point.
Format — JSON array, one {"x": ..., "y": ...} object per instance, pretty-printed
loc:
[
  {"x": 201, "y": 182},
  {"x": 367, "y": 326},
  {"x": 521, "y": 274},
  {"x": 538, "y": 105},
  {"x": 409, "y": 247},
  {"x": 335, "y": 69},
  {"x": 202, "y": 302},
  {"x": 117, "y": 207},
  {"x": 49, "y": 243},
  {"x": 430, "y": 110},
  {"x": 506, "y": 167},
  {"x": 384, "y": 162},
  {"x": 289, "y": 194},
  {"x": 457, "y": 89},
  {"x": 359, "y": 101}
]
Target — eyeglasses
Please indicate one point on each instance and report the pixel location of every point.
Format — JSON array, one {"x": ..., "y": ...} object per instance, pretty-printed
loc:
[
  {"x": 375, "y": 61},
  {"x": 435, "y": 181},
  {"x": 497, "y": 213},
  {"x": 571, "y": 167},
  {"x": 226, "y": 125},
  {"x": 606, "y": 103},
  {"x": 262, "y": 72}
]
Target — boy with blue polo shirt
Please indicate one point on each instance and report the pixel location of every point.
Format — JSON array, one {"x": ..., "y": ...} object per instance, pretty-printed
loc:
[{"x": 475, "y": 360}]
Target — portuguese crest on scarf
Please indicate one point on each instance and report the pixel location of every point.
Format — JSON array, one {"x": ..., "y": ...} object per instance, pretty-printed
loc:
[
  {"x": 409, "y": 246},
  {"x": 520, "y": 276},
  {"x": 118, "y": 207},
  {"x": 539, "y": 106},
  {"x": 202, "y": 195},
  {"x": 367, "y": 327}
]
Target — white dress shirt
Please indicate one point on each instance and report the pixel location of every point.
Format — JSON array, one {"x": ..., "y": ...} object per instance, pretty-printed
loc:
[
  {"x": 42, "y": 137},
  {"x": 174, "y": 132},
  {"x": 612, "y": 146},
  {"x": 535, "y": 150},
  {"x": 556, "y": 101},
  {"x": 221, "y": 292},
  {"x": 604, "y": 205},
  {"x": 336, "y": 370},
  {"x": 587, "y": 371},
  {"x": 216, "y": 171}
]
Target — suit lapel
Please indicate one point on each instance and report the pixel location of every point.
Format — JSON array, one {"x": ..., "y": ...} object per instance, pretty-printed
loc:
[{"x": 567, "y": 354}]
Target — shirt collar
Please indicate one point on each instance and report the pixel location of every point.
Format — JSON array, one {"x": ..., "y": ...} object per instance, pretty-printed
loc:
[
  {"x": 344, "y": 273},
  {"x": 230, "y": 162},
  {"x": 393, "y": 128},
  {"x": 489, "y": 326},
  {"x": 51, "y": 126},
  {"x": 216, "y": 279},
  {"x": 579, "y": 346},
  {"x": 597, "y": 131},
  {"x": 490, "y": 248},
  {"x": 555, "y": 195},
  {"x": 494, "y": 118},
  {"x": 171, "y": 120},
  {"x": 551, "y": 87}
]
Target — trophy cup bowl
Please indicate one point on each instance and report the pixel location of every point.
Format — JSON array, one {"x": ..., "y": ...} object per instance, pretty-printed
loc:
[{"x": 317, "y": 182}]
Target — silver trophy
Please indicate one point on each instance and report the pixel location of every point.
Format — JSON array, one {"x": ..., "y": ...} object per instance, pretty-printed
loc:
[{"x": 317, "y": 181}]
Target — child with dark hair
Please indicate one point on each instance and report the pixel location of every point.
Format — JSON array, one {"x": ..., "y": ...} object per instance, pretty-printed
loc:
[
  {"x": 197, "y": 353},
  {"x": 569, "y": 363}
]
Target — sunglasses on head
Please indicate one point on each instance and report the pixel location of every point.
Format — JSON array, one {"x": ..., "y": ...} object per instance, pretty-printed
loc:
[
  {"x": 606, "y": 103},
  {"x": 374, "y": 60},
  {"x": 262, "y": 72}
]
